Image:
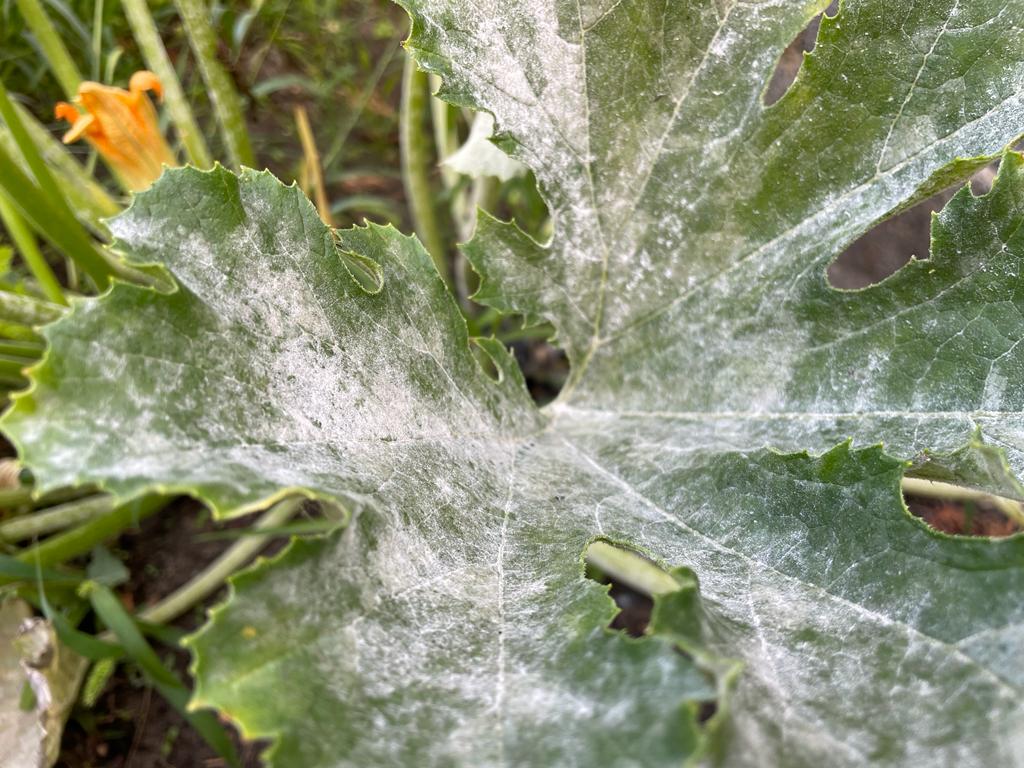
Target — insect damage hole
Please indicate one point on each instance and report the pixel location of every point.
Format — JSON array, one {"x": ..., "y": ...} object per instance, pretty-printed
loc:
[
  {"x": 960, "y": 511},
  {"x": 633, "y": 580},
  {"x": 545, "y": 367},
  {"x": 885, "y": 248},
  {"x": 792, "y": 58}
]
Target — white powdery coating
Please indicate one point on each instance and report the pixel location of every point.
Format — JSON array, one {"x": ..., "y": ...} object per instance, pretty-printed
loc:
[{"x": 685, "y": 278}]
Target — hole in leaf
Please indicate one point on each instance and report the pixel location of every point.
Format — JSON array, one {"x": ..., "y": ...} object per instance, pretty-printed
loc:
[
  {"x": 634, "y": 609},
  {"x": 607, "y": 563},
  {"x": 634, "y": 606},
  {"x": 545, "y": 366},
  {"x": 961, "y": 511},
  {"x": 707, "y": 711},
  {"x": 633, "y": 579},
  {"x": 792, "y": 58},
  {"x": 884, "y": 249}
]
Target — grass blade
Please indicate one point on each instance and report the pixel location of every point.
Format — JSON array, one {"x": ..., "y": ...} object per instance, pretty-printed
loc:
[
  {"x": 226, "y": 103},
  {"x": 30, "y": 253},
  {"x": 54, "y": 224},
  {"x": 314, "y": 169},
  {"x": 117, "y": 619},
  {"x": 78, "y": 541},
  {"x": 53, "y": 47}
]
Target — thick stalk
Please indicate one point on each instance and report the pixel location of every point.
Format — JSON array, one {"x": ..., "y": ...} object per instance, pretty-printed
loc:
[
  {"x": 15, "y": 497},
  {"x": 19, "y": 332},
  {"x": 26, "y": 310},
  {"x": 446, "y": 137},
  {"x": 53, "y": 47},
  {"x": 153, "y": 51},
  {"x": 417, "y": 160},
  {"x": 226, "y": 103},
  {"x": 26, "y": 244},
  {"x": 56, "y": 518},
  {"x": 630, "y": 568},
  {"x": 11, "y": 383},
  {"x": 79, "y": 541},
  {"x": 26, "y": 349},
  {"x": 12, "y": 370},
  {"x": 97, "y": 38},
  {"x": 212, "y": 578}
]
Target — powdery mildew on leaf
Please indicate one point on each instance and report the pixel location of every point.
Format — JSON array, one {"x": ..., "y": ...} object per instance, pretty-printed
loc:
[{"x": 450, "y": 624}]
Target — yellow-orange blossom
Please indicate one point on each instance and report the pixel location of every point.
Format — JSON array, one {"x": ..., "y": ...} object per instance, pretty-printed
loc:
[{"x": 122, "y": 126}]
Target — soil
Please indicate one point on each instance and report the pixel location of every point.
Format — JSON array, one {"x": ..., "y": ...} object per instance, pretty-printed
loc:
[
  {"x": 131, "y": 725},
  {"x": 955, "y": 518}
]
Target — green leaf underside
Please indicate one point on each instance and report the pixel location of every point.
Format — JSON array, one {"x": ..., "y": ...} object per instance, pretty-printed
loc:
[{"x": 450, "y": 624}]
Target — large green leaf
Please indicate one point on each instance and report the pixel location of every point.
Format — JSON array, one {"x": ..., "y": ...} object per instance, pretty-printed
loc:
[{"x": 451, "y": 624}]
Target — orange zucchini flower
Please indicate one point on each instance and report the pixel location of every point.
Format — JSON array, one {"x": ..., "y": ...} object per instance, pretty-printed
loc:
[{"x": 122, "y": 126}]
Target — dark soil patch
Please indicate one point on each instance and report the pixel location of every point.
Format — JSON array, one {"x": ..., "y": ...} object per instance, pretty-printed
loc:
[
  {"x": 132, "y": 726},
  {"x": 634, "y": 610},
  {"x": 978, "y": 519},
  {"x": 545, "y": 368}
]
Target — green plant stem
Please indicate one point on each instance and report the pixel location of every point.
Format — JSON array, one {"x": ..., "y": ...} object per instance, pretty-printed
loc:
[
  {"x": 630, "y": 568},
  {"x": 78, "y": 541},
  {"x": 25, "y": 349},
  {"x": 56, "y": 518},
  {"x": 19, "y": 332},
  {"x": 53, "y": 47},
  {"x": 226, "y": 103},
  {"x": 47, "y": 183},
  {"x": 15, "y": 497},
  {"x": 12, "y": 368},
  {"x": 933, "y": 489},
  {"x": 26, "y": 244},
  {"x": 417, "y": 162},
  {"x": 212, "y": 578},
  {"x": 64, "y": 232},
  {"x": 153, "y": 51},
  {"x": 97, "y": 38},
  {"x": 446, "y": 138}
]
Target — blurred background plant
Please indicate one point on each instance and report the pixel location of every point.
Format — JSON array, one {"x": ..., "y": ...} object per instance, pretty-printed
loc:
[{"x": 321, "y": 93}]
